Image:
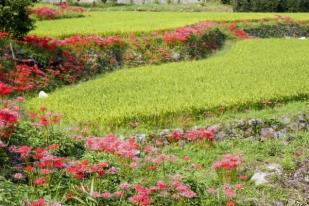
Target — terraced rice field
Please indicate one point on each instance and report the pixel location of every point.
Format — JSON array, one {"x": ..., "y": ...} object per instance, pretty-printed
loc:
[
  {"x": 249, "y": 72},
  {"x": 104, "y": 23}
]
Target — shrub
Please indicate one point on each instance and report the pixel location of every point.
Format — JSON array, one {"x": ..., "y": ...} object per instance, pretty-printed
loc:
[
  {"x": 296, "y": 5},
  {"x": 271, "y": 5},
  {"x": 226, "y": 1},
  {"x": 14, "y": 17}
]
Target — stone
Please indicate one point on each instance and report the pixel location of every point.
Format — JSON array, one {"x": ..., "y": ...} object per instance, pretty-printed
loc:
[
  {"x": 176, "y": 56},
  {"x": 302, "y": 38},
  {"x": 274, "y": 167},
  {"x": 141, "y": 138},
  {"x": 260, "y": 178},
  {"x": 268, "y": 133},
  {"x": 285, "y": 120},
  {"x": 43, "y": 94}
]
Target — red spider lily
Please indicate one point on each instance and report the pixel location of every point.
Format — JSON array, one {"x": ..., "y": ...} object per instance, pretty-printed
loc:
[
  {"x": 2, "y": 144},
  {"x": 101, "y": 41},
  {"x": 231, "y": 203},
  {"x": 183, "y": 190},
  {"x": 3, "y": 35},
  {"x": 150, "y": 149},
  {"x": 161, "y": 185},
  {"x": 5, "y": 89},
  {"x": 238, "y": 32},
  {"x": 66, "y": 7},
  {"x": 46, "y": 171},
  {"x": 25, "y": 78},
  {"x": 111, "y": 144},
  {"x": 40, "y": 181},
  {"x": 134, "y": 42},
  {"x": 39, "y": 202},
  {"x": 207, "y": 134},
  {"x": 23, "y": 151},
  {"x": 51, "y": 161},
  {"x": 229, "y": 162},
  {"x": 142, "y": 197},
  {"x": 228, "y": 191},
  {"x": 118, "y": 194},
  {"x": 78, "y": 169},
  {"x": 183, "y": 34},
  {"x": 20, "y": 99},
  {"x": 239, "y": 187},
  {"x": 45, "y": 118},
  {"x": 48, "y": 43},
  {"x": 39, "y": 153},
  {"x": 106, "y": 195},
  {"x": 99, "y": 168},
  {"x": 187, "y": 158},
  {"x": 124, "y": 186},
  {"x": 177, "y": 135},
  {"x": 193, "y": 135},
  {"x": 8, "y": 116},
  {"x": 29, "y": 169},
  {"x": 46, "y": 13}
]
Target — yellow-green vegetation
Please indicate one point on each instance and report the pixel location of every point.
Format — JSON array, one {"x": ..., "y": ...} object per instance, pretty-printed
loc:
[
  {"x": 124, "y": 22},
  {"x": 250, "y": 72}
]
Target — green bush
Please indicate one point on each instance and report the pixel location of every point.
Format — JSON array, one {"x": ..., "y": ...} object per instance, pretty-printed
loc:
[
  {"x": 14, "y": 17},
  {"x": 226, "y": 1},
  {"x": 271, "y": 5},
  {"x": 277, "y": 30},
  {"x": 296, "y": 5}
]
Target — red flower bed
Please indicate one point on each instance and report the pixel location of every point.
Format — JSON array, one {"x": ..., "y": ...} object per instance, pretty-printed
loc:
[
  {"x": 182, "y": 34},
  {"x": 64, "y": 10},
  {"x": 46, "y": 13}
]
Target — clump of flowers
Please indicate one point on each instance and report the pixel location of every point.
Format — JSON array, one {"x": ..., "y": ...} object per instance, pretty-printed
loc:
[
  {"x": 5, "y": 89},
  {"x": 45, "y": 13},
  {"x": 233, "y": 28},
  {"x": 111, "y": 144},
  {"x": 205, "y": 135},
  {"x": 183, "y": 34},
  {"x": 174, "y": 189},
  {"x": 227, "y": 168},
  {"x": 8, "y": 121},
  {"x": 3, "y": 35},
  {"x": 45, "y": 118},
  {"x": 63, "y": 11},
  {"x": 82, "y": 169}
]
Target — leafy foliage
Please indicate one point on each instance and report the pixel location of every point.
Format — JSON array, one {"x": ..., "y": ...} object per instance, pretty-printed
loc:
[
  {"x": 271, "y": 5},
  {"x": 14, "y": 17}
]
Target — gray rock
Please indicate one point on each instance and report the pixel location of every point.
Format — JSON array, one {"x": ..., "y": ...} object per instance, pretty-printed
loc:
[
  {"x": 259, "y": 178},
  {"x": 274, "y": 167},
  {"x": 285, "y": 120},
  {"x": 268, "y": 133},
  {"x": 176, "y": 56}
]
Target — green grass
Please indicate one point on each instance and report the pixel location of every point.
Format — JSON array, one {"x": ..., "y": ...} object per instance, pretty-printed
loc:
[
  {"x": 256, "y": 155},
  {"x": 249, "y": 72},
  {"x": 124, "y": 22}
]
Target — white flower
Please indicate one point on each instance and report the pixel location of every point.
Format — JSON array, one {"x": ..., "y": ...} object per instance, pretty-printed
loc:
[{"x": 43, "y": 94}]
